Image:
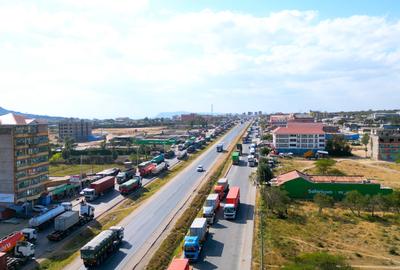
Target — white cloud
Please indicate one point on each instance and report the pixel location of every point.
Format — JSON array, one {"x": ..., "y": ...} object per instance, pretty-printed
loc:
[{"x": 78, "y": 48}]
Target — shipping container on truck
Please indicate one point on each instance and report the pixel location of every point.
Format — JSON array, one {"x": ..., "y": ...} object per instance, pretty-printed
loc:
[
  {"x": 42, "y": 220},
  {"x": 158, "y": 159},
  {"x": 145, "y": 168},
  {"x": 99, "y": 187},
  {"x": 130, "y": 185},
  {"x": 193, "y": 242},
  {"x": 124, "y": 176},
  {"x": 179, "y": 264},
  {"x": 101, "y": 247},
  {"x": 67, "y": 222},
  {"x": 159, "y": 168},
  {"x": 222, "y": 187},
  {"x": 235, "y": 158},
  {"x": 232, "y": 203},
  {"x": 210, "y": 207}
]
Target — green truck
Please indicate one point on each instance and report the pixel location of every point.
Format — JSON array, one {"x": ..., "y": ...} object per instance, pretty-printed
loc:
[
  {"x": 100, "y": 247},
  {"x": 236, "y": 158}
]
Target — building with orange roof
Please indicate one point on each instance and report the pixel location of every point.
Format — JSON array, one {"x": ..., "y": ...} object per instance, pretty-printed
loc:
[
  {"x": 24, "y": 159},
  {"x": 303, "y": 186}
]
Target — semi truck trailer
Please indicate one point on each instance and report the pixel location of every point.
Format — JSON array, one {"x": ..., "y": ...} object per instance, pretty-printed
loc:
[
  {"x": 67, "y": 222},
  {"x": 210, "y": 207},
  {"x": 99, "y": 187},
  {"x": 195, "y": 239},
  {"x": 130, "y": 185},
  {"x": 124, "y": 176},
  {"x": 42, "y": 220},
  {"x": 222, "y": 187},
  {"x": 103, "y": 245},
  {"x": 179, "y": 264},
  {"x": 145, "y": 168},
  {"x": 15, "y": 250},
  {"x": 158, "y": 159},
  {"x": 232, "y": 203},
  {"x": 235, "y": 158}
]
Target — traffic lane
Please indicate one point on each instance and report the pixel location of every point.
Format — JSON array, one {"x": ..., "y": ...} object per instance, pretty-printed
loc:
[
  {"x": 147, "y": 220},
  {"x": 221, "y": 250}
]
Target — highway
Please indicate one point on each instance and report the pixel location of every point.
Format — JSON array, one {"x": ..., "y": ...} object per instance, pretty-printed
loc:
[
  {"x": 229, "y": 243},
  {"x": 148, "y": 221}
]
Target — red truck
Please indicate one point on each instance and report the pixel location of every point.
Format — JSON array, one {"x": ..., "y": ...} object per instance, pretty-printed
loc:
[
  {"x": 8, "y": 242},
  {"x": 179, "y": 264},
  {"x": 99, "y": 187},
  {"x": 222, "y": 187},
  {"x": 232, "y": 203},
  {"x": 130, "y": 185},
  {"x": 145, "y": 168}
]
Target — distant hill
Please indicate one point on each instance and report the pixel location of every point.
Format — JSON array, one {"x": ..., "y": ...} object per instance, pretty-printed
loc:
[{"x": 29, "y": 115}]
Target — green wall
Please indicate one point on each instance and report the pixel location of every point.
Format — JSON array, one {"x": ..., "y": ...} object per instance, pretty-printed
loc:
[{"x": 300, "y": 188}]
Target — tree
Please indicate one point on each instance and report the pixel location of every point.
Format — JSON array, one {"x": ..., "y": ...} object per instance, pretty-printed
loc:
[
  {"x": 323, "y": 165},
  {"x": 103, "y": 144},
  {"x": 267, "y": 137},
  {"x": 264, "y": 173},
  {"x": 318, "y": 261},
  {"x": 56, "y": 158},
  {"x": 337, "y": 146},
  {"x": 355, "y": 201},
  {"x": 365, "y": 142},
  {"x": 277, "y": 201},
  {"x": 323, "y": 201},
  {"x": 68, "y": 147},
  {"x": 264, "y": 151}
]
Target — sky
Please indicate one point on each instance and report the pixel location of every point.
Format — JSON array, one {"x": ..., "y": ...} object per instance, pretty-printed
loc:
[{"x": 124, "y": 58}]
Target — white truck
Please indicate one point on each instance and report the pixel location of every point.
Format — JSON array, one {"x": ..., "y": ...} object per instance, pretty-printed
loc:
[
  {"x": 251, "y": 160},
  {"x": 210, "y": 207}
]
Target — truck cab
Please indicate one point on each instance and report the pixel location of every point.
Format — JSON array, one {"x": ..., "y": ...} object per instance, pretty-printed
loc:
[
  {"x": 89, "y": 193},
  {"x": 210, "y": 207},
  {"x": 30, "y": 234},
  {"x": 220, "y": 147},
  {"x": 86, "y": 210},
  {"x": 124, "y": 176},
  {"x": 232, "y": 203},
  {"x": 191, "y": 248},
  {"x": 24, "y": 249}
]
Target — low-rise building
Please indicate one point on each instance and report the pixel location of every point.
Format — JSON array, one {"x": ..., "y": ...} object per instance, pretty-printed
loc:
[
  {"x": 24, "y": 155},
  {"x": 299, "y": 138},
  {"x": 303, "y": 186},
  {"x": 78, "y": 130},
  {"x": 384, "y": 144}
]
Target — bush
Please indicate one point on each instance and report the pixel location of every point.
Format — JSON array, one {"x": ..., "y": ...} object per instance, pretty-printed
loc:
[{"x": 318, "y": 261}]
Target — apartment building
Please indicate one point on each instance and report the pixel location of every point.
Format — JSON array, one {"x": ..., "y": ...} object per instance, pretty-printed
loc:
[
  {"x": 384, "y": 144},
  {"x": 76, "y": 129},
  {"x": 298, "y": 138},
  {"x": 24, "y": 155}
]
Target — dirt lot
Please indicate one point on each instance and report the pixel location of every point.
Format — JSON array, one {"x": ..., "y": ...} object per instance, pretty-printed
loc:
[{"x": 113, "y": 132}]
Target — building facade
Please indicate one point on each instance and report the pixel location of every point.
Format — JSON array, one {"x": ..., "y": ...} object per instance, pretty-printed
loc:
[
  {"x": 299, "y": 138},
  {"x": 384, "y": 144},
  {"x": 24, "y": 156},
  {"x": 77, "y": 130},
  {"x": 303, "y": 186}
]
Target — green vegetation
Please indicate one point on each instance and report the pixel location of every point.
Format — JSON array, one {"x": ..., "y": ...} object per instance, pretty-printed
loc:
[
  {"x": 337, "y": 146},
  {"x": 264, "y": 151},
  {"x": 318, "y": 261},
  {"x": 267, "y": 137},
  {"x": 323, "y": 201},
  {"x": 75, "y": 169},
  {"x": 323, "y": 165},
  {"x": 264, "y": 173}
]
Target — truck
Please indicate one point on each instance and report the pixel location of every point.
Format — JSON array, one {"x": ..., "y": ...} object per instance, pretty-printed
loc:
[
  {"x": 99, "y": 187},
  {"x": 239, "y": 148},
  {"x": 181, "y": 155},
  {"x": 67, "y": 222},
  {"x": 131, "y": 185},
  {"x": 101, "y": 246},
  {"x": 109, "y": 172},
  {"x": 194, "y": 240},
  {"x": 179, "y": 264},
  {"x": 145, "y": 168},
  {"x": 21, "y": 254},
  {"x": 42, "y": 220},
  {"x": 232, "y": 203},
  {"x": 210, "y": 207},
  {"x": 124, "y": 176},
  {"x": 222, "y": 187},
  {"x": 158, "y": 159},
  {"x": 235, "y": 158},
  {"x": 159, "y": 168},
  {"x": 251, "y": 160},
  {"x": 220, "y": 147}
]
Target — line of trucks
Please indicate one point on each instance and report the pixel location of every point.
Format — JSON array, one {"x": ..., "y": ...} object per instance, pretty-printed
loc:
[{"x": 197, "y": 234}]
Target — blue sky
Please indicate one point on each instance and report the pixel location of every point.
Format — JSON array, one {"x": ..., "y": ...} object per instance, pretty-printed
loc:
[{"x": 102, "y": 59}]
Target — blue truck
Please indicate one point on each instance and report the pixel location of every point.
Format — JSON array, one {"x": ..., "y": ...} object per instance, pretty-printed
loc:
[{"x": 195, "y": 239}]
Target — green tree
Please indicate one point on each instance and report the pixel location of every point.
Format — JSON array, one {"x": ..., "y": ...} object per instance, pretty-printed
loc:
[
  {"x": 277, "y": 201},
  {"x": 323, "y": 201},
  {"x": 264, "y": 151},
  {"x": 337, "y": 146},
  {"x": 323, "y": 165},
  {"x": 56, "y": 158},
  {"x": 355, "y": 201},
  {"x": 365, "y": 139},
  {"x": 68, "y": 147},
  {"x": 267, "y": 137},
  {"x": 264, "y": 173},
  {"x": 318, "y": 261}
]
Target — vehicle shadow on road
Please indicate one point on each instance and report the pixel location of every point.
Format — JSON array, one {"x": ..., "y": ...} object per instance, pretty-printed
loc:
[
  {"x": 106, "y": 197},
  {"x": 246, "y": 212}
]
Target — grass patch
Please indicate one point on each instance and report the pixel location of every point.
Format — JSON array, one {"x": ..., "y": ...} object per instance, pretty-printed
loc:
[
  {"x": 70, "y": 250},
  {"x": 172, "y": 243},
  {"x": 74, "y": 169}
]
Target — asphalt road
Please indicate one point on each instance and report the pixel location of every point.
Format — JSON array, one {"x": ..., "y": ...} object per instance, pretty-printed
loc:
[
  {"x": 147, "y": 222},
  {"x": 229, "y": 242}
]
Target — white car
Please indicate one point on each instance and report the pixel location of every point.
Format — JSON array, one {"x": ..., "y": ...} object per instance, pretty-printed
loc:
[
  {"x": 40, "y": 209},
  {"x": 200, "y": 168}
]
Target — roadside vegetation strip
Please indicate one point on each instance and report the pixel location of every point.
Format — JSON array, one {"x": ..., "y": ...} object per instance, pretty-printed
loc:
[
  {"x": 170, "y": 246},
  {"x": 70, "y": 250}
]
